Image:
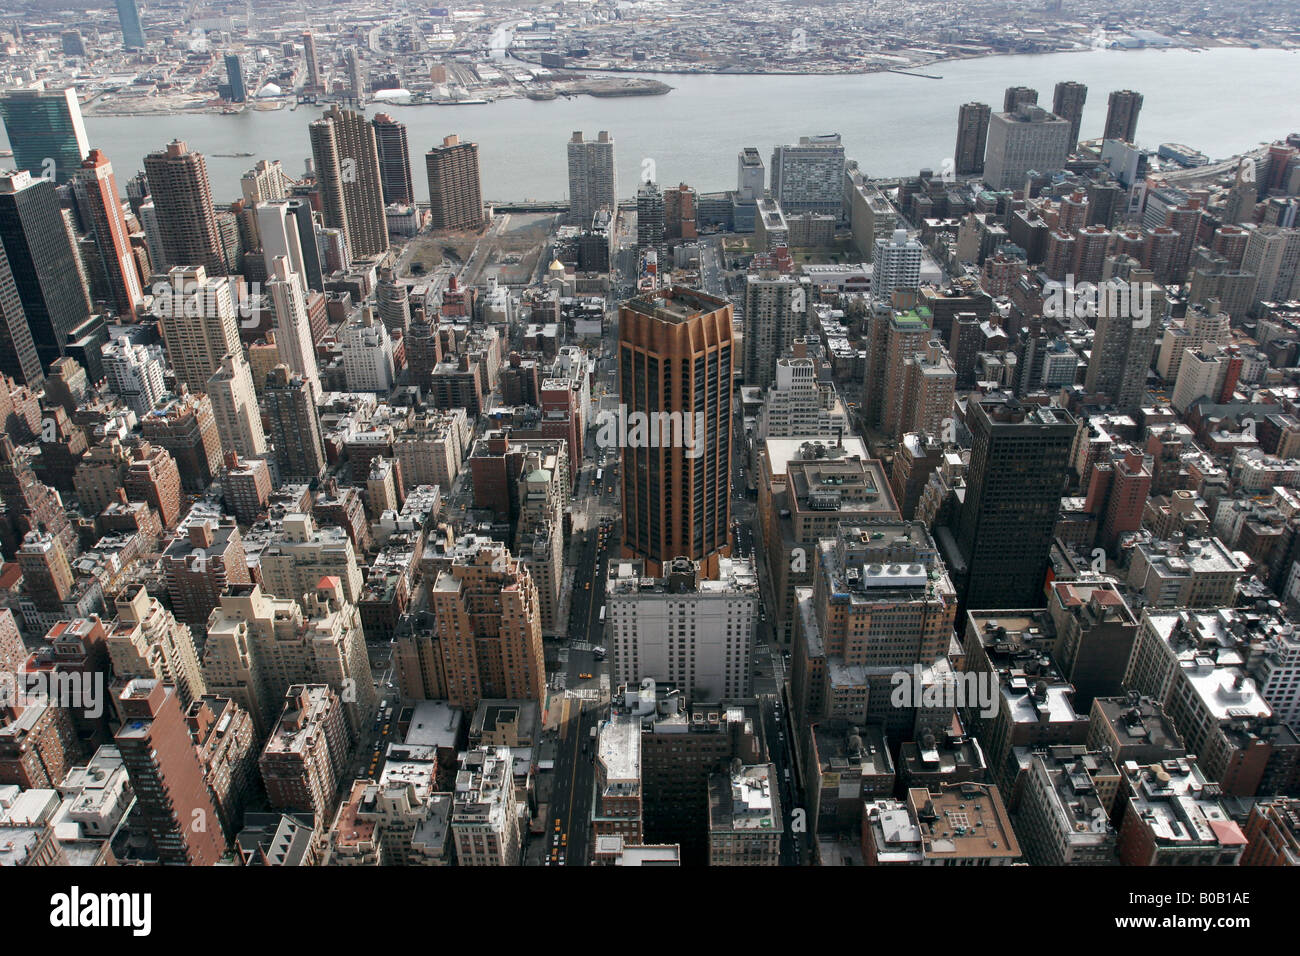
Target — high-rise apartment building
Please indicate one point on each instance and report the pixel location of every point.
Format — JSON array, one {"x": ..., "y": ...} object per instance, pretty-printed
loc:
[
  {"x": 135, "y": 374},
  {"x": 776, "y": 315},
  {"x": 1067, "y": 103},
  {"x": 394, "y": 160},
  {"x": 1122, "y": 115},
  {"x": 1018, "y": 465},
  {"x": 1030, "y": 138},
  {"x": 302, "y": 554},
  {"x": 235, "y": 78},
  {"x": 45, "y": 131},
  {"x": 295, "y": 426},
  {"x": 200, "y": 563},
  {"x": 1017, "y": 96},
  {"x": 171, "y": 795},
  {"x": 972, "y": 137},
  {"x": 745, "y": 819},
  {"x": 187, "y": 220},
  {"x": 455, "y": 192},
  {"x": 593, "y": 177},
  {"x": 896, "y": 264},
  {"x": 488, "y": 626},
  {"x": 809, "y": 176},
  {"x": 146, "y": 640},
  {"x": 293, "y": 336},
  {"x": 368, "y": 354},
  {"x": 347, "y": 170},
  {"x": 650, "y": 215},
  {"x": 258, "y": 645},
  {"x": 198, "y": 321},
  {"x": 234, "y": 406},
  {"x": 306, "y": 752},
  {"x": 675, "y": 373},
  {"x": 312, "y": 62},
  {"x": 46, "y": 272},
  {"x": 1122, "y": 346}
]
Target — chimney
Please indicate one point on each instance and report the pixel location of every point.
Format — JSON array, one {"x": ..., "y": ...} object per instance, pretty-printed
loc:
[{"x": 201, "y": 533}]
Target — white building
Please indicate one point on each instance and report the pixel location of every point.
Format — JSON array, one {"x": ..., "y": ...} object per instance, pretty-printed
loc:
[
  {"x": 135, "y": 374},
  {"x": 484, "y": 819},
  {"x": 896, "y": 264},
  {"x": 368, "y": 354},
  {"x": 296, "y": 560},
  {"x": 799, "y": 404},
  {"x": 690, "y": 633},
  {"x": 197, "y": 319},
  {"x": 293, "y": 337}
]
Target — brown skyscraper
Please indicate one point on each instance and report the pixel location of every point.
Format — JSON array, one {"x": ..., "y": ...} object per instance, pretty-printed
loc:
[
  {"x": 1122, "y": 115},
  {"x": 1067, "y": 103},
  {"x": 675, "y": 373},
  {"x": 1018, "y": 95},
  {"x": 347, "y": 170},
  {"x": 166, "y": 776},
  {"x": 455, "y": 197},
  {"x": 182, "y": 198},
  {"x": 394, "y": 160}
]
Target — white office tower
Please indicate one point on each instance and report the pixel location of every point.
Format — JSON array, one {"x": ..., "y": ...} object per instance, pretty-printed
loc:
[
  {"x": 135, "y": 374},
  {"x": 368, "y": 354},
  {"x": 278, "y": 230},
  {"x": 292, "y": 327},
  {"x": 153, "y": 237},
  {"x": 689, "y": 632},
  {"x": 234, "y": 405},
  {"x": 896, "y": 265},
  {"x": 1273, "y": 256},
  {"x": 750, "y": 175},
  {"x": 196, "y": 315},
  {"x": 776, "y": 314}
]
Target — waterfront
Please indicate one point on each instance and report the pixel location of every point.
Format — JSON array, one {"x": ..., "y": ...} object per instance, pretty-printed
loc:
[{"x": 1221, "y": 101}]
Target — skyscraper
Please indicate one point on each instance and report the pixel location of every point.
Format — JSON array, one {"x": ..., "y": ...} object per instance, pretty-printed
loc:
[
  {"x": 649, "y": 216},
  {"x": 394, "y": 160},
  {"x": 1067, "y": 103},
  {"x": 182, "y": 198},
  {"x": 1028, "y": 139},
  {"x": 132, "y": 32},
  {"x": 455, "y": 196},
  {"x": 234, "y": 406},
  {"x": 972, "y": 135},
  {"x": 347, "y": 171},
  {"x": 313, "y": 64},
  {"x": 1122, "y": 115},
  {"x": 593, "y": 178},
  {"x": 45, "y": 131},
  {"x": 1121, "y": 349},
  {"x": 776, "y": 313},
  {"x": 809, "y": 176},
  {"x": 896, "y": 264},
  {"x": 197, "y": 319},
  {"x": 287, "y": 229},
  {"x": 46, "y": 273},
  {"x": 1014, "y": 483},
  {"x": 235, "y": 78},
  {"x": 18, "y": 358},
  {"x": 675, "y": 364},
  {"x": 172, "y": 798},
  {"x": 295, "y": 426},
  {"x": 1017, "y": 96},
  {"x": 293, "y": 336},
  {"x": 108, "y": 224}
]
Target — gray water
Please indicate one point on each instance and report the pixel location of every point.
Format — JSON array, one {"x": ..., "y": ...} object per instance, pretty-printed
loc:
[{"x": 1219, "y": 101}]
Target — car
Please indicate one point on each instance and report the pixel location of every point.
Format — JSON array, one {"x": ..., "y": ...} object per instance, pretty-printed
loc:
[
  {"x": 587, "y": 586},
  {"x": 584, "y": 677},
  {"x": 564, "y": 840},
  {"x": 557, "y": 826}
]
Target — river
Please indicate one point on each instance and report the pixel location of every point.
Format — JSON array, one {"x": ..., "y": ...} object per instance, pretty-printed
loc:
[{"x": 1220, "y": 101}]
